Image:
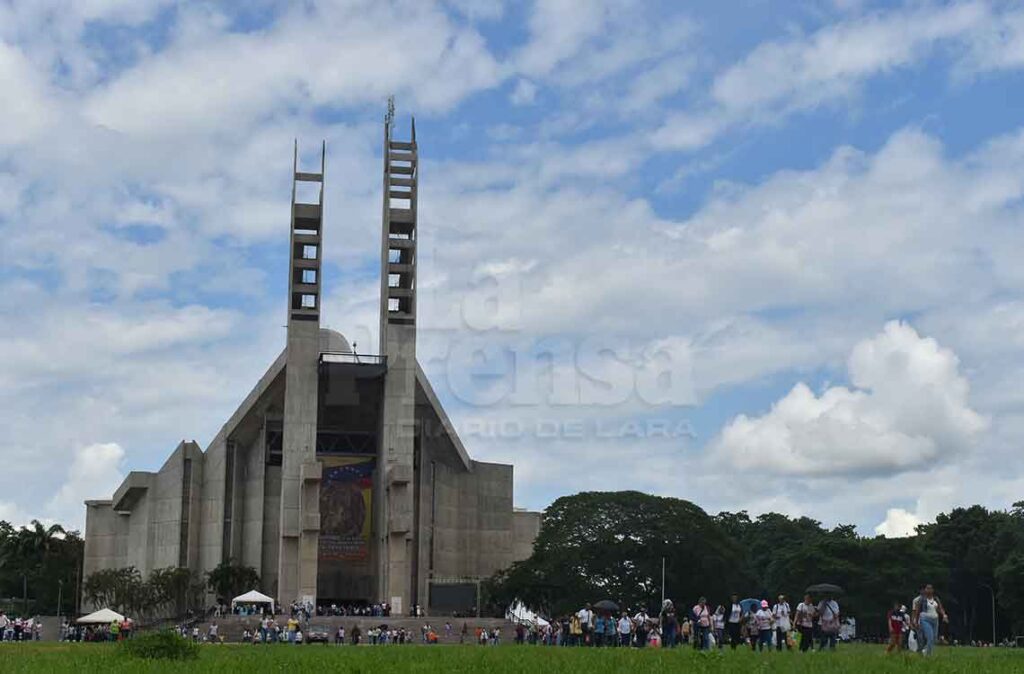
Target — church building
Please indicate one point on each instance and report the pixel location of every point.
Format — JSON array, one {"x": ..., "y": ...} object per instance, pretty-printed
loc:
[{"x": 340, "y": 477}]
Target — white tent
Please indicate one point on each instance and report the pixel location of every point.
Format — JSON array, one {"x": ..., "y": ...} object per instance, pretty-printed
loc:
[
  {"x": 520, "y": 614},
  {"x": 252, "y": 597},
  {"x": 102, "y": 617}
]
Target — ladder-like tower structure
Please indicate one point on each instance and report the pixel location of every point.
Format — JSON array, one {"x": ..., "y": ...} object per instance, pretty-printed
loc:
[
  {"x": 395, "y": 508},
  {"x": 300, "y": 471}
]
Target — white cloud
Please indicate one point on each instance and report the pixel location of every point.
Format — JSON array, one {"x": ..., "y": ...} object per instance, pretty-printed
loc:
[
  {"x": 805, "y": 71},
  {"x": 13, "y": 514},
  {"x": 553, "y": 225},
  {"x": 908, "y": 410},
  {"x": 558, "y": 29},
  {"x": 26, "y": 110},
  {"x": 95, "y": 472},
  {"x": 215, "y": 80},
  {"x": 780, "y": 77},
  {"x": 898, "y": 523},
  {"x": 524, "y": 94}
]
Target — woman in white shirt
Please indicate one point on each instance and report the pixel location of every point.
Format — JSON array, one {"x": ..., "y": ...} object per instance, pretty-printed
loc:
[
  {"x": 805, "y": 623},
  {"x": 764, "y": 620},
  {"x": 718, "y": 621},
  {"x": 828, "y": 622},
  {"x": 925, "y": 618}
]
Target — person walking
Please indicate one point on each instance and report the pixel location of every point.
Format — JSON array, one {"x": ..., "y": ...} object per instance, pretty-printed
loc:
[
  {"x": 669, "y": 624},
  {"x": 701, "y": 624},
  {"x": 780, "y": 612},
  {"x": 625, "y": 628},
  {"x": 895, "y": 619},
  {"x": 927, "y": 610},
  {"x": 828, "y": 621},
  {"x": 611, "y": 633},
  {"x": 764, "y": 621},
  {"x": 640, "y": 624},
  {"x": 586, "y": 616},
  {"x": 575, "y": 630},
  {"x": 718, "y": 625},
  {"x": 805, "y": 613},
  {"x": 734, "y": 621}
]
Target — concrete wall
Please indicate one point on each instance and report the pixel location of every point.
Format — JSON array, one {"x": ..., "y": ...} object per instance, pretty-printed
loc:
[
  {"x": 211, "y": 511},
  {"x": 271, "y": 530},
  {"x": 472, "y": 528},
  {"x": 165, "y": 511},
  {"x": 138, "y": 540},
  {"x": 250, "y": 530},
  {"x": 105, "y": 538},
  {"x": 525, "y": 529}
]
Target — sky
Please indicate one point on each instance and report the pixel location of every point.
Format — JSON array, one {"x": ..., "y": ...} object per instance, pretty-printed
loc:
[{"x": 759, "y": 255}]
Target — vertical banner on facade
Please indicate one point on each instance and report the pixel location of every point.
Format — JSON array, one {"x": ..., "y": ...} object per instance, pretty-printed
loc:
[{"x": 346, "y": 492}]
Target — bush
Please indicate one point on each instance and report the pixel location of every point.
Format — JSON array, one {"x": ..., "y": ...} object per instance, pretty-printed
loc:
[{"x": 163, "y": 645}]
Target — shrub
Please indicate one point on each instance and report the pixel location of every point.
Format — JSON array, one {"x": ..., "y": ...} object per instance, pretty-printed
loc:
[{"x": 162, "y": 645}]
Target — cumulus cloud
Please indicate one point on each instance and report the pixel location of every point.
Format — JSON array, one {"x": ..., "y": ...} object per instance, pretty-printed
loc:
[
  {"x": 95, "y": 472},
  {"x": 898, "y": 523},
  {"x": 144, "y": 173},
  {"x": 908, "y": 408}
]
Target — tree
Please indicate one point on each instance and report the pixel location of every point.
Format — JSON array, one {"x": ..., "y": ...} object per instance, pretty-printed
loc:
[
  {"x": 228, "y": 580},
  {"x": 118, "y": 589},
  {"x": 610, "y": 545},
  {"x": 40, "y": 564},
  {"x": 176, "y": 591}
]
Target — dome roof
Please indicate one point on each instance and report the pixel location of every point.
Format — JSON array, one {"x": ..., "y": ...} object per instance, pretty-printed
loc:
[{"x": 332, "y": 341}]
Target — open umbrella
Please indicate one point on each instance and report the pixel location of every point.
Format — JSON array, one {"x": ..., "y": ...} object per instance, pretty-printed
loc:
[
  {"x": 824, "y": 588},
  {"x": 606, "y": 605},
  {"x": 750, "y": 604}
]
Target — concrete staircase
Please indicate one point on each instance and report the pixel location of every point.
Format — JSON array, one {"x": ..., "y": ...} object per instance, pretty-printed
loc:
[{"x": 232, "y": 627}]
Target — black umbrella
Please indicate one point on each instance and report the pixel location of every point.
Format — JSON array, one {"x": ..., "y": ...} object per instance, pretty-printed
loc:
[
  {"x": 606, "y": 605},
  {"x": 824, "y": 588}
]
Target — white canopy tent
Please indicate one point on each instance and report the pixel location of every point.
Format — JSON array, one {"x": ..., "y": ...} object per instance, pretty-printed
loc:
[
  {"x": 520, "y": 614},
  {"x": 252, "y": 597},
  {"x": 102, "y": 617}
]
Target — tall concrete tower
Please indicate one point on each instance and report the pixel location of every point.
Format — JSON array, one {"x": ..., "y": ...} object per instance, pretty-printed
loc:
[
  {"x": 398, "y": 343},
  {"x": 300, "y": 471}
]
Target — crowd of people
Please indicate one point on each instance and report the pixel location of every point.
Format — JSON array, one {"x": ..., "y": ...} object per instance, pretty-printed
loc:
[
  {"x": 751, "y": 623},
  {"x": 308, "y": 610},
  {"x": 117, "y": 630},
  {"x": 16, "y": 628},
  {"x": 270, "y": 631}
]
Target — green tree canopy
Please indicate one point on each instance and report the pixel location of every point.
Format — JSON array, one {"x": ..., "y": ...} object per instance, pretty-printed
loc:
[
  {"x": 228, "y": 580},
  {"x": 40, "y": 564},
  {"x": 610, "y": 545},
  {"x": 599, "y": 545}
]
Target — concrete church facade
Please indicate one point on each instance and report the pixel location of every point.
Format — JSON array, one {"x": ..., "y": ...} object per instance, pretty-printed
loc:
[{"x": 340, "y": 477}]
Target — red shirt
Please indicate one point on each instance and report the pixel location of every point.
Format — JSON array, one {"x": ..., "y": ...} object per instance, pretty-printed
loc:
[{"x": 895, "y": 622}]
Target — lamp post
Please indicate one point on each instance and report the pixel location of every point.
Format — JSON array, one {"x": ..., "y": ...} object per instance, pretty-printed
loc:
[
  {"x": 993, "y": 593},
  {"x": 662, "y": 581}
]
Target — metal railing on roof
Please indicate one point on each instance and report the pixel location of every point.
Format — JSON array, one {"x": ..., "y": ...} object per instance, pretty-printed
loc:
[{"x": 353, "y": 358}]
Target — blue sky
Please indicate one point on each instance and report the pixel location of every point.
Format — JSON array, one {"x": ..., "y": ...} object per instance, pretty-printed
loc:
[{"x": 756, "y": 254}]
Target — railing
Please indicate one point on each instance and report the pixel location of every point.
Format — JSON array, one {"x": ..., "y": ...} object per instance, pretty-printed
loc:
[{"x": 352, "y": 358}]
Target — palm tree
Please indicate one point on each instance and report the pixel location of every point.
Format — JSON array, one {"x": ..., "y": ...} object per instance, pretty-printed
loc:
[{"x": 32, "y": 545}]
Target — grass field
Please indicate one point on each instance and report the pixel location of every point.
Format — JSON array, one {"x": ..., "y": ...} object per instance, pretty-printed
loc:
[{"x": 83, "y": 658}]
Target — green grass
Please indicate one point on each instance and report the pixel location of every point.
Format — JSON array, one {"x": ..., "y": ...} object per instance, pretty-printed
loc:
[{"x": 107, "y": 658}]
